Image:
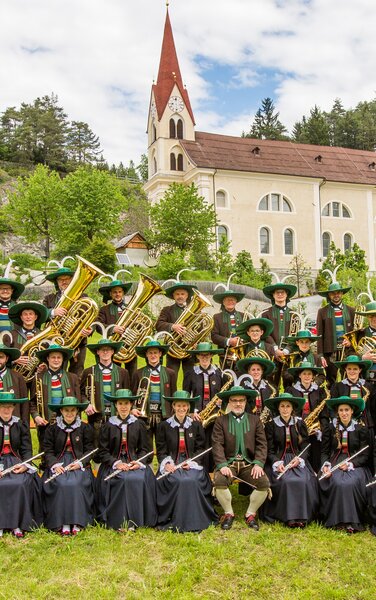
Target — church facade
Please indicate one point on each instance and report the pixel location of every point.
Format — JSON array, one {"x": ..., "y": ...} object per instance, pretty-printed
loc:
[{"x": 274, "y": 199}]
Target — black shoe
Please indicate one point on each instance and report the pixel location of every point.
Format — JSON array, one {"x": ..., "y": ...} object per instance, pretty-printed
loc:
[
  {"x": 252, "y": 523},
  {"x": 227, "y": 520}
]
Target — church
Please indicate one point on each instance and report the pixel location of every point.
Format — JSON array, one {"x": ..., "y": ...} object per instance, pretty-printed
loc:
[{"x": 273, "y": 199}]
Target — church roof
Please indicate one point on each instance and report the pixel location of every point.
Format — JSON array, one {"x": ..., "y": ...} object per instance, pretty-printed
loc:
[
  {"x": 169, "y": 74},
  {"x": 214, "y": 151}
]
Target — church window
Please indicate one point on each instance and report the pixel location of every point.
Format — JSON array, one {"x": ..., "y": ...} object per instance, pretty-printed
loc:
[
  {"x": 264, "y": 240},
  {"x": 336, "y": 209},
  {"x": 347, "y": 242},
  {"x": 172, "y": 129},
  {"x": 326, "y": 239},
  {"x": 179, "y": 129},
  {"x": 275, "y": 203},
  {"x": 172, "y": 162}
]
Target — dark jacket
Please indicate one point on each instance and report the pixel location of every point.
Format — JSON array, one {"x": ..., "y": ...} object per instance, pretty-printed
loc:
[
  {"x": 357, "y": 439},
  {"x": 276, "y": 438},
  {"x": 20, "y": 440},
  {"x": 326, "y": 328},
  {"x": 167, "y": 440},
  {"x": 220, "y": 332},
  {"x": 169, "y": 387},
  {"x": 122, "y": 383},
  {"x": 194, "y": 384},
  {"x": 223, "y": 442},
  {"x": 20, "y": 390},
  {"x": 73, "y": 390},
  {"x": 369, "y": 413},
  {"x": 55, "y": 440},
  {"x": 110, "y": 437}
]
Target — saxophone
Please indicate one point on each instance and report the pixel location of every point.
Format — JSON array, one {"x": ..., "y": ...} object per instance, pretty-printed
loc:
[
  {"x": 266, "y": 414},
  {"x": 65, "y": 330},
  {"x": 312, "y": 422},
  {"x": 212, "y": 410},
  {"x": 198, "y": 326}
]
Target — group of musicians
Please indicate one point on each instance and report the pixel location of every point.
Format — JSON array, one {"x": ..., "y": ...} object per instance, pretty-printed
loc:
[{"x": 287, "y": 415}]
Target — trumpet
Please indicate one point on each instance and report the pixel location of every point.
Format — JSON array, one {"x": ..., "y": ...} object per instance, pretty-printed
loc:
[
  {"x": 90, "y": 391},
  {"x": 142, "y": 403},
  {"x": 40, "y": 399}
]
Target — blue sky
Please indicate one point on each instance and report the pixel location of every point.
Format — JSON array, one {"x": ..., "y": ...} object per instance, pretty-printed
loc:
[{"x": 100, "y": 58}]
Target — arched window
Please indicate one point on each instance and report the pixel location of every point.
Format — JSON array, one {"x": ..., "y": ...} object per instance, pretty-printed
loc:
[
  {"x": 222, "y": 234},
  {"x": 154, "y": 133},
  {"x": 180, "y": 162},
  {"x": 172, "y": 129},
  {"x": 326, "y": 239},
  {"x": 264, "y": 240},
  {"x": 347, "y": 241},
  {"x": 289, "y": 241},
  {"x": 275, "y": 203},
  {"x": 179, "y": 129},
  {"x": 172, "y": 162},
  {"x": 220, "y": 199},
  {"x": 336, "y": 209}
]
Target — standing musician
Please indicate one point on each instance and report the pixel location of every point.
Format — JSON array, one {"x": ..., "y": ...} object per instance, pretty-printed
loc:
[
  {"x": 27, "y": 317},
  {"x": 127, "y": 500},
  {"x": 333, "y": 321},
  {"x": 68, "y": 500},
  {"x": 365, "y": 334},
  {"x": 239, "y": 449},
  {"x": 10, "y": 291},
  {"x": 105, "y": 377},
  {"x": 11, "y": 381},
  {"x": 181, "y": 293},
  {"x": 224, "y": 332},
  {"x": 258, "y": 369},
  {"x": 254, "y": 332},
  {"x": 20, "y": 509},
  {"x": 154, "y": 382},
  {"x": 301, "y": 350},
  {"x": 184, "y": 492}
]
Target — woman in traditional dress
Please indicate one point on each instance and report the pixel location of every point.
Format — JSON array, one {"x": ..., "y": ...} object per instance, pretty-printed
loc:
[
  {"x": 127, "y": 500},
  {"x": 20, "y": 508},
  {"x": 294, "y": 488},
  {"x": 183, "y": 494},
  {"x": 343, "y": 492},
  {"x": 68, "y": 500}
]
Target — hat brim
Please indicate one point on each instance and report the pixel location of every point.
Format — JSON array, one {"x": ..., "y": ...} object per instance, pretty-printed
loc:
[
  {"x": 357, "y": 404},
  {"x": 169, "y": 292},
  {"x": 273, "y": 403},
  {"x": 214, "y": 351},
  {"x": 114, "y": 345},
  {"x": 270, "y": 289},
  {"x": 115, "y": 399},
  {"x": 294, "y": 371},
  {"x": 363, "y": 364},
  {"x": 18, "y": 288},
  {"x": 267, "y": 365},
  {"x": 104, "y": 290},
  {"x": 13, "y": 353},
  {"x": 293, "y": 339},
  {"x": 40, "y": 310},
  {"x": 141, "y": 350},
  {"x": 53, "y": 276},
  {"x": 220, "y": 296},
  {"x": 325, "y": 293},
  {"x": 265, "y": 324},
  {"x": 14, "y": 401},
  {"x": 66, "y": 352},
  {"x": 57, "y": 407}
]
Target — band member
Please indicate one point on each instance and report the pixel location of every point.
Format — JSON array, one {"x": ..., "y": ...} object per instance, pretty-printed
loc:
[
  {"x": 343, "y": 492},
  {"x": 312, "y": 395},
  {"x": 258, "y": 369},
  {"x": 105, "y": 377},
  {"x": 68, "y": 500},
  {"x": 369, "y": 332},
  {"x": 127, "y": 500},
  {"x": 254, "y": 332},
  {"x": 10, "y": 380},
  {"x": 27, "y": 318},
  {"x": 10, "y": 291},
  {"x": 183, "y": 494},
  {"x": 295, "y": 499},
  {"x": 181, "y": 293},
  {"x": 224, "y": 332},
  {"x": 61, "y": 280},
  {"x": 333, "y": 321},
  {"x": 51, "y": 386},
  {"x": 20, "y": 509},
  {"x": 157, "y": 382},
  {"x": 239, "y": 449},
  {"x": 301, "y": 350}
]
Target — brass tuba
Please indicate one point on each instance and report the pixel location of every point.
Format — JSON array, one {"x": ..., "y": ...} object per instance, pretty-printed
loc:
[
  {"x": 197, "y": 324},
  {"x": 138, "y": 325},
  {"x": 66, "y": 330}
]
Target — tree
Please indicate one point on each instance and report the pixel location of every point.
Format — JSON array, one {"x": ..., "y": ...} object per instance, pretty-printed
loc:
[
  {"x": 83, "y": 145},
  {"x": 101, "y": 253},
  {"x": 299, "y": 271},
  {"x": 182, "y": 220},
  {"x": 266, "y": 124},
  {"x": 143, "y": 168},
  {"x": 246, "y": 273},
  {"x": 352, "y": 272},
  {"x": 136, "y": 207},
  {"x": 33, "y": 209},
  {"x": 317, "y": 128}
]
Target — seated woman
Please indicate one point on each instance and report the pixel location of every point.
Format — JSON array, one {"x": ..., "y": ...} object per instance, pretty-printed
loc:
[
  {"x": 183, "y": 494},
  {"x": 259, "y": 369},
  {"x": 127, "y": 500},
  {"x": 68, "y": 500},
  {"x": 20, "y": 508},
  {"x": 295, "y": 498},
  {"x": 343, "y": 492}
]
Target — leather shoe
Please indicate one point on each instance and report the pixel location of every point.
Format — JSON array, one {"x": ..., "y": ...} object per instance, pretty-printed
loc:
[
  {"x": 227, "y": 520},
  {"x": 252, "y": 523}
]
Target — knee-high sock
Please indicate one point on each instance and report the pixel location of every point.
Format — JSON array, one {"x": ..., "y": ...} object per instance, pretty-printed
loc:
[
  {"x": 225, "y": 499},
  {"x": 256, "y": 499}
]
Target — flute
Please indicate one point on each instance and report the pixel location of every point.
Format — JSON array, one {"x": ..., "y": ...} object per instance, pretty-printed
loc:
[
  {"x": 343, "y": 462},
  {"x": 75, "y": 462},
  {"x": 371, "y": 483},
  {"x": 288, "y": 466},
  {"x": 117, "y": 471},
  {"x": 21, "y": 464},
  {"x": 185, "y": 462}
]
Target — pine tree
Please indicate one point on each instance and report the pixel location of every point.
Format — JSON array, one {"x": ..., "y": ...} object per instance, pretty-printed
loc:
[{"x": 266, "y": 124}]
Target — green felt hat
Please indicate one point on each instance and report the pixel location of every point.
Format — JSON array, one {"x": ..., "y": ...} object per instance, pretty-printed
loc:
[
  {"x": 180, "y": 285},
  {"x": 102, "y": 343},
  {"x": 205, "y": 348},
  {"x": 369, "y": 309},
  {"x": 9, "y": 398},
  {"x": 334, "y": 287},
  {"x": 357, "y": 404},
  {"x": 183, "y": 396},
  {"x": 68, "y": 401},
  {"x": 270, "y": 289},
  {"x": 122, "y": 394},
  {"x": 59, "y": 273},
  {"x": 39, "y": 308},
  {"x": 303, "y": 334},
  {"x": 141, "y": 350},
  {"x": 66, "y": 352},
  {"x": 13, "y": 353},
  {"x": 18, "y": 287},
  {"x": 267, "y": 365},
  {"x": 105, "y": 290},
  {"x": 273, "y": 403},
  {"x": 237, "y": 390},
  {"x": 265, "y": 324},
  {"x": 353, "y": 359},
  {"x": 220, "y": 296},
  {"x": 303, "y": 366}
]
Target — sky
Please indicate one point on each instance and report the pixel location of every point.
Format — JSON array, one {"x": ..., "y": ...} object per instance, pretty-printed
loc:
[{"x": 100, "y": 57}]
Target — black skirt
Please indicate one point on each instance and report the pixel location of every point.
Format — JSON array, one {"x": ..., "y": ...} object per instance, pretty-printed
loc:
[
  {"x": 129, "y": 498},
  {"x": 20, "y": 504},
  {"x": 68, "y": 499},
  {"x": 295, "y": 495},
  {"x": 184, "y": 501}
]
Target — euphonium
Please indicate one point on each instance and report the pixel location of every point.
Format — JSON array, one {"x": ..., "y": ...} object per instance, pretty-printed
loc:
[
  {"x": 212, "y": 410},
  {"x": 258, "y": 353},
  {"x": 137, "y": 325},
  {"x": 197, "y": 324},
  {"x": 66, "y": 330}
]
